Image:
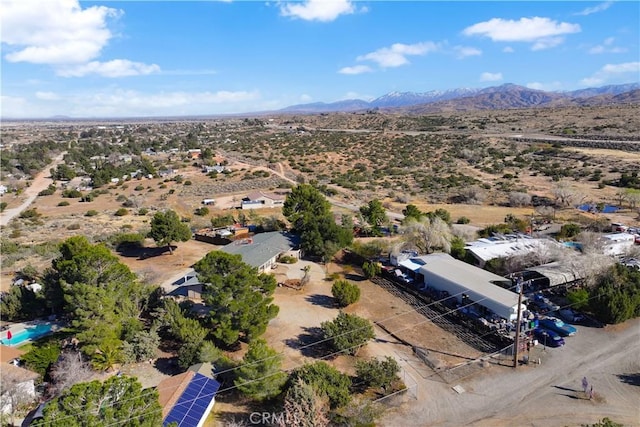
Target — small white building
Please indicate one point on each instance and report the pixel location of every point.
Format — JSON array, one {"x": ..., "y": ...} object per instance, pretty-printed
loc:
[
  {"x": 484, "y": 250},
  {"x": 618, "y": 243},
  {"x": 261, "y": 199},
  {"x": 3, "y": 189},
  {"x": 469, "y": 284}
]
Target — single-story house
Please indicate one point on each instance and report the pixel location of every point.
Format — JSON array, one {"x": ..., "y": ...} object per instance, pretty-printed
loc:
[
  {"x": 486, "y": 249},
  {"x": 194, "y": 153},
  {"x": 216, "y": 168},
  {"x": 188, "y": 398},
  {"x": 618, "y": 243},
  {"x": 468, "y": 284},
  {"x": 262, "y": 250},
  {"x": 261, "y": 199}
]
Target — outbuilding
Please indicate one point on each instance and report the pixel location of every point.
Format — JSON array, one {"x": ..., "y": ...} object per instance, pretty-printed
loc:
[{"x": 488, "y": 292}]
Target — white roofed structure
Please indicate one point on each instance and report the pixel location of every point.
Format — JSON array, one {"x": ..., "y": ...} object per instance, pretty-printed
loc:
[
  {"x": 445, "y": 273},
  {"x": 484, "y": 250}
]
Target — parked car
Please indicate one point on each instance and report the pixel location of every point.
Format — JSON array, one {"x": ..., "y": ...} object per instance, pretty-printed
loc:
[
  {"x": 543, "y": 304},
  {"x": 569, "y": 315},
  {"x": 557, "y": 325},
  {"x": 548, "y": 337}
]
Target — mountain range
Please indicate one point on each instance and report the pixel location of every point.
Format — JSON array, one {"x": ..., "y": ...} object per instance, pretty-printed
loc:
[{"x": 490, "y": 98}]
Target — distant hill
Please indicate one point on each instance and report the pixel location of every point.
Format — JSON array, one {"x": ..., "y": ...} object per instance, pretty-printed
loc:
[{"x": 463, "y": 99}]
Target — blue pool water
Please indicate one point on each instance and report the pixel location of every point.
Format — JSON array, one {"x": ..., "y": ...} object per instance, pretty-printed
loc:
[
  {"x": 605, "y": 209},
  {"x": 26, "y": 334}
]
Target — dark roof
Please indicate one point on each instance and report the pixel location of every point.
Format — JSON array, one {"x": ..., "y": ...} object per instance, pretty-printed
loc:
[{"x": 260, "y": 248}]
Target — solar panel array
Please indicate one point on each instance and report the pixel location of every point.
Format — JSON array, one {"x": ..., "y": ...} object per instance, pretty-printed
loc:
[{"x": 192, "y": 404}]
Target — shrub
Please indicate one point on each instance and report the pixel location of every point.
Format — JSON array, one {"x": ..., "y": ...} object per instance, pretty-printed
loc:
[
  {"x": 122, "y": 212},
  {"x": 3, "y": 206},
  {"x": 143, "y": 211},
  {"x": 288, "y": 259},
  {"x": 378, "y": 373},
  {"x": 139, "y": 188},
  {"x": 326, "y": 381},
  {"x": 371, "y": 269},
  {"x": 91, "y": 212},
  {"x": 187, "y": 182},
  {"x": 64, "y": 203},
  {"x": 569, "y": 230},
  {"x": 30, "y": 213},
  {"x": 202, "y": 211},
  {"x": 71, "y": 193},
  {"x": 48, "y": 191},
  {"x": 348, "y": 332},
  {"x": 463, "y": 220},
  {"x": 345, "y": 292}
]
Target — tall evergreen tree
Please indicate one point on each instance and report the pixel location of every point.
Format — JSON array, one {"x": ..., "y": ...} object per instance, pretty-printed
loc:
[
  {"x": 260, "y": 376},
  {"x": 166, "y": 227}
]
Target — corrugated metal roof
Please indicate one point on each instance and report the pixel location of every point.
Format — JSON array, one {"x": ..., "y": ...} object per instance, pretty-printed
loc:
[
  {"x": 473, "y": 278},
  {"x": 260, "y": 248},
  {"x": 558, "y": 274},
  {"x": 486, "y": 250}
]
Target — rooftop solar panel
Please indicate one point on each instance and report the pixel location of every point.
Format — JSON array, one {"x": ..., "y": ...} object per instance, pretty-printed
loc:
[{"x": 193, "y": 402}]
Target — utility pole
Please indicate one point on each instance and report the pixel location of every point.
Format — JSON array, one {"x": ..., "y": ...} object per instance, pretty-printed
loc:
[{"x": 516, "y": 345}]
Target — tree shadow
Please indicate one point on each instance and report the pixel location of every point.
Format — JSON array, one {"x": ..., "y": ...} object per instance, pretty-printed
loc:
[
  {"x": 142, "y": 252},
  {"x": 321, "y": 300},
  {"x": 168, "y": 365},
  {"x": 631, "y": 379},
  {"x": 569, "y": 395},
  {"x": 354, "y": 277},
  {"x": 309, "y": 343}
]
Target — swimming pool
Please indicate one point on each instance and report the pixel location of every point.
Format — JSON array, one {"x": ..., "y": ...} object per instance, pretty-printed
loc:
[{"x": 27, "y": 334}]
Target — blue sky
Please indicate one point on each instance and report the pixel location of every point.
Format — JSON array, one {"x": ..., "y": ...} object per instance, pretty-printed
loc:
[{"x": 159, "y": 58}]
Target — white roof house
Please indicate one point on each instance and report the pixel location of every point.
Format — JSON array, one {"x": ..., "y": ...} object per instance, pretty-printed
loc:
[
  {"x": 484, "y": 250},
  {"x": 445, "y": 273},
  {"x": 618, "y": 243}
]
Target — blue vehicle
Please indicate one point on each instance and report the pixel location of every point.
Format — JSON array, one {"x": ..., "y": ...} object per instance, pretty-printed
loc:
[
  {"x": 558, "y": 326},
  {"x": 548, "y": 337}
]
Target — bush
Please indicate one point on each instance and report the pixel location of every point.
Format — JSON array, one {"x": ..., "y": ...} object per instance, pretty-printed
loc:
[
  {"x": 345, "y": 292},
  {"x": 71, "y": 194},
  {"x": 202, "y": 211},
  {"x": 48, "y": 191},
  {"x": 187, "y": 182},
  {"x": 463, "y": 220},
  {"x": 139, "y": 188},
  {"x": 569, "y": 230},
  {"x": 326, "y": 381},
  {"x": 288, "y": 259},
  {"x": 64, "y": 203},
  {"x": 91, "y": 212},
  {"x": 3, "y": 206},
  {"x": 122, "y": 212},
  {"x": 371, "y": 269},
  {"x": 378, "y": 373},
  {"x": 74, "y": 226},
  {"x": 30, "y": 213},
  {"x": 143, "y": 211},
  {"x": 348, "y": 332}
]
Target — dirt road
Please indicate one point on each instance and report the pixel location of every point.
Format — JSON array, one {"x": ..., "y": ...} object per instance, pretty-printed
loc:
[
  {"x": 39, "y": 183},
  {"x": 547, "y": 395}
]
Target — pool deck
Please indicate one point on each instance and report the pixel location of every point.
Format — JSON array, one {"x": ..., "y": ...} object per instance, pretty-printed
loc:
[{"x": 20, "y": 326}]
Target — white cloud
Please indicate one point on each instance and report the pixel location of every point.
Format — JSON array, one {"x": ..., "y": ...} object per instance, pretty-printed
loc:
[
  {"x": 606, "y": 47},
  {"x": 54, "y": 32},
  {"x": 356, "y": 69},
  {"x": 114, "y": 68},
  {"x": 508, "y": 49},
  {"x": 396, "y": 55},
  {"x": 47, "y": 96},
  {"x": 317, "y": 10},
  {"x": 627, "y": 71},
  {"x": 490, "y": 77},
  {"x": 543, "y": 32},
  {"x": 595, "y": 9},
  {"x": 464, "y": 51},
  {"x": 305, "y": 98},
  {"x": 62, "y": 34}
]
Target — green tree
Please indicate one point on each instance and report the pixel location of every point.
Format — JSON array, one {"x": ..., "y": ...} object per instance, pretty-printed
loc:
[
  {"x": 616, "y": 296},
  {"x": 326, "y": 381},
  {"x": 378, "y": 373},
  {"x": 375, "y": 214},
  {"x": 371, "y": 269},
  {"x": 166, "y": 228},
  {"x": 40, "y": 358},
  {"x": 578, "y": 298},
  {"x": 458, "y": 250},
  {"x": 443, "y": 214},
  {"x": 100, "y": 293},
  {"x": 260, "y": 376},
  {"x": 412, "y": 211},
  {"x": 239, "y": 297},
  {"x": 345, "y": 293},
  {"x": 348, "y": 332},
  {"x": 119, "y": 400},
  {"x": 309, "y": 213},
  {"x": 569, "y": 230},
  {"x": 142, "y": 346}
]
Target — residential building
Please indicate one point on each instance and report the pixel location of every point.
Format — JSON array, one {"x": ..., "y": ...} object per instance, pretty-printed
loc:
[{"x": 262, "y": 250}]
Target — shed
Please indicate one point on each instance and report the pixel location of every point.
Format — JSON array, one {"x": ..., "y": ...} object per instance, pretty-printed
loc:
[
  {"x": 555, "y": 274},
  {"x": 469, "y": 284}
]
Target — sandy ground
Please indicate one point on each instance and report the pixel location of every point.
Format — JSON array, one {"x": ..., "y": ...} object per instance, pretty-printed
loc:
[{"x": 549, "y": 394}]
